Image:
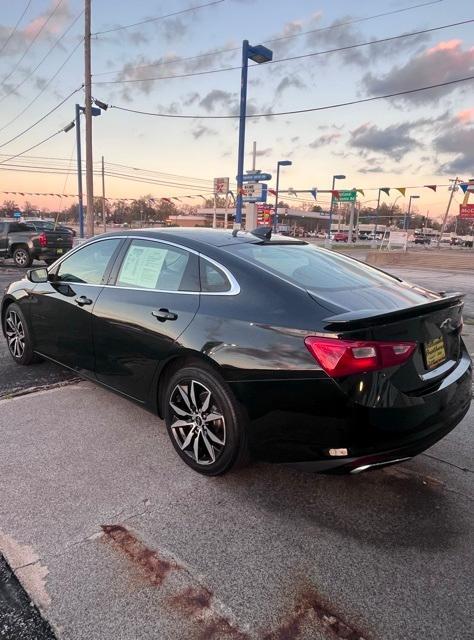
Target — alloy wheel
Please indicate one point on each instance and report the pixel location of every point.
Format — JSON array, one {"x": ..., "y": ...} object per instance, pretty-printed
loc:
[
  {"x": 198, "y": 425},
  {"x": 15, "y": 333},
  {"x": 21, "y": 257}
]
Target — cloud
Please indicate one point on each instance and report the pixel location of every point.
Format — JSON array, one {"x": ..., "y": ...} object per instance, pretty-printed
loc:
[
  {"x": 443, "y": 62},
  {"x": 201, "y": 130},
  {"x": 325, "y": 139},
  {"x": 465, "y": 116},
  {"x": 191, "y": 98},
  {"x": 287, "y": 82},
  {"x": 217, "y": 97},
  {"x": 394, "y": 141},
  {"x": 50, "y": 26},
  {"x": 458, "y": 141},
  {"x": 263, "y": 153}
]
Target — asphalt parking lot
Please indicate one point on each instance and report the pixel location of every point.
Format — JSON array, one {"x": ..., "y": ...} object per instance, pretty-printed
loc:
[{"x": 114, "y": 537}]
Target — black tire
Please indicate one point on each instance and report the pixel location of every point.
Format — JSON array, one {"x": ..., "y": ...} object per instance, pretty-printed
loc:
[
  {"x": 18, "y": 335},
  {"x": 226, "y": 435},
  {"x": 22, "y": 257}
]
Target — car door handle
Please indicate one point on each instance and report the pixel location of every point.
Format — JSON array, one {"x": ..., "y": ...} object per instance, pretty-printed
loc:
[
  {"x": 82, "y": 301},
  {"x": 164, "y": 314}
]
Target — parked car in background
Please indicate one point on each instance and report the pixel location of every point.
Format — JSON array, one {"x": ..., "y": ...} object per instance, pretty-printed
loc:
[
  {"x": 24, "y": 243},
  {"x": 248, "y": 344},
  {"x": 343, "y": 236},
  {"x": 421, "y": 239}
]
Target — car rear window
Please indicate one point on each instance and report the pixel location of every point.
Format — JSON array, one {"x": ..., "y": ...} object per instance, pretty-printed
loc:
[{"x": 331, "y": 276}]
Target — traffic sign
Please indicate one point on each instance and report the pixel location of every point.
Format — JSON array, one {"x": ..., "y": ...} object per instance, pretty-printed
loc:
[
  {"x": 346, "y": 196},
  {"x": 254, "y": 192},
  {"x": 221, "y": 185},
  {"x": 466, "y": 211},
  {"x": 17, "y": 214},
  {"x": 255, "y": 177}
]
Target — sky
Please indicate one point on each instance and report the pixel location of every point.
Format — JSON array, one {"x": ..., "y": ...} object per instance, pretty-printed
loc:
[{"x": 426, "y": 137}]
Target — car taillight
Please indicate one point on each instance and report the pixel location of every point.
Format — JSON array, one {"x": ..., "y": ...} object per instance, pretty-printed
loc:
[
  {"x": 43, "y": 240},
  {"x": 346, "y": 357}
]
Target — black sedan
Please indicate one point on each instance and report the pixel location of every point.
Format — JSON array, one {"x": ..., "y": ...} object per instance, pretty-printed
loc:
[{"x": 249, "y": 345}]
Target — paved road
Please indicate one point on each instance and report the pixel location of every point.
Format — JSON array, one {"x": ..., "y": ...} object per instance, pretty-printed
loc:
[{"x": 117, "y": 538}]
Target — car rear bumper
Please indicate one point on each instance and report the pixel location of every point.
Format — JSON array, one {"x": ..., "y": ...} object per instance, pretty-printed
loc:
[
  {"x": 51, "y": 253},
  {"x": 308, "y": 423}
]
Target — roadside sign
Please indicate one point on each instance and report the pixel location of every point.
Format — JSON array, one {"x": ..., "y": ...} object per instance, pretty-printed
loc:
[
  {"x": 17, "y": 214},
  {"x": 254, "y": 192},
  {"x": 346, "y": 196},
  {"x": 255, "y": 177},
  {"x": 398, "y": 239},
  {"x": 466, "y": 211},
  {"x": 221, "y": 186}
]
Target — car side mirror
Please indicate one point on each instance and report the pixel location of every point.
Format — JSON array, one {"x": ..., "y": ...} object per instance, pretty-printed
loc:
[{"x": 37, "y": 275}]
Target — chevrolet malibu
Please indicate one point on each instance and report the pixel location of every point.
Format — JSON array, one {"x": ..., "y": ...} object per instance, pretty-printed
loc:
[{"x": 249, "y": 345}]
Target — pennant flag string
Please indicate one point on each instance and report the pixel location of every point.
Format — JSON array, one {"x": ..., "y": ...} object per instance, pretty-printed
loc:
[{"x": 402, "y": 190}]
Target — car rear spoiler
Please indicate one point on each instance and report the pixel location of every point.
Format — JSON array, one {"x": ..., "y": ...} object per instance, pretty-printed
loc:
[{"x": 365, "y": 318}]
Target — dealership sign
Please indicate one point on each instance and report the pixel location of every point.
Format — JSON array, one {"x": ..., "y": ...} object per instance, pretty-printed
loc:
[
  {"x": 221, "y": 186},
  {"x": 466, "y": 211},
  {"x": 254, "y": 192}
]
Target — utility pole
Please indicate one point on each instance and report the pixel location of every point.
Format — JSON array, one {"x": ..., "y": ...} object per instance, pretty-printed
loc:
[
  {"x": 88, "y": 114},
  {"x": 451, "y": 195},
  {"x": 79, "y": 170},
  {"x": 103, "y": 196}
]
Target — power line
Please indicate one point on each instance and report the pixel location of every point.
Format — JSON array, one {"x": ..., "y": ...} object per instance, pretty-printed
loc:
[
  {"x": 32, "y": 147},
  {"x": 50, "y": 50},
  {"x": 36, "y": 36},
  {"x": 296, "y": 111},
  {"x": 156, "y": 19},
  {"x": 13, "y": 31},
  {"x": 295, "y": 35},
  {"x": 44, "y": 87},
  {"x": 4, "y": 144},
  {"x": 298, "y": 57}
]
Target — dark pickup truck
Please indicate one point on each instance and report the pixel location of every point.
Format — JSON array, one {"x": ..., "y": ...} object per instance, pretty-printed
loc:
[{"x": 24, "y": 243}]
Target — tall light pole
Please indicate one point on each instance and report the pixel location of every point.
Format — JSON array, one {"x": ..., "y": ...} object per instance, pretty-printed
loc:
[
  {"x": 79, "y": 170},
  {"x": 452, "y": 188},
  {"x": 88, "y": 114},
  {"x": 258, "y": 54},
  {"x": 95, "y": 111},
  {"x": 407, "y": 215},
  {"x": 334, "y": 178},
  {"x": 280, "y": 163}
]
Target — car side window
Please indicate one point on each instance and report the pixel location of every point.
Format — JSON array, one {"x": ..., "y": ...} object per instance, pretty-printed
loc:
[
  {"x": 155, "y": 265},
  {"x": 2, "y": 227},
  {"x": 89, "y": 264},
  {"x": 213, "y": 279}
]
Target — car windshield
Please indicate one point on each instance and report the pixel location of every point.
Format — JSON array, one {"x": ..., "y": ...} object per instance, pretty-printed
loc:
[{"x": 333, "y": 277}]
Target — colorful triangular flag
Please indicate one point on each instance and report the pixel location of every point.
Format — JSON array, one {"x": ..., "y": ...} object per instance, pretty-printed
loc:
[
  {"x": 361, "y": 191},
  {"x": 401, "y": 189},
  {"x": 335, "y": 194},
  {"x": 431, "y": 186},
  {"x": 385, "y": 190},
  {"x": 314, "y": 192},
  {"x": 463, "y": 186}
]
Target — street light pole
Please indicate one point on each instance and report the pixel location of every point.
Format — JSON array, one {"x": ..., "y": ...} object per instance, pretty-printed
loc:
[
  {"x": 258, "y": 54},
  {"x": 407, "y": 215},
  {"x": 374, "y": 241},
  {"x": 453, "y": 189},
  {"x": 79, "y": 170},
  {"x": 241, "y": 152},
  {"x": 280, "y": 163}
]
